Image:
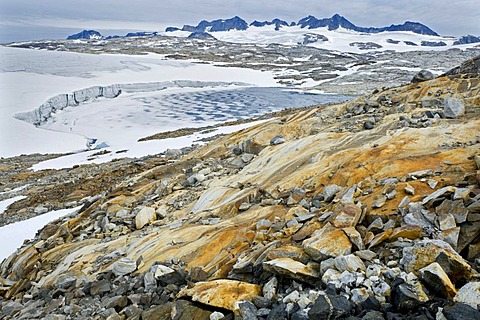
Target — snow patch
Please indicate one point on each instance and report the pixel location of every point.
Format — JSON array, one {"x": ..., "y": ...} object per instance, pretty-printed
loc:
[{"x": 13, "y": 235}]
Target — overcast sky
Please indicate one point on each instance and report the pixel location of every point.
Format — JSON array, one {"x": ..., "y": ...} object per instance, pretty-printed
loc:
[{"x": 46, "y": 18}]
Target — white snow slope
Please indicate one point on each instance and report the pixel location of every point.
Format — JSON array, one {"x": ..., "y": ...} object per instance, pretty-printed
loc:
[
  {"x": 28, "y": 78},
  {"x": 338, "y": 40}
]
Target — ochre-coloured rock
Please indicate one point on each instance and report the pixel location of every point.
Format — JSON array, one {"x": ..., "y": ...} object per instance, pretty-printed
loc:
[
  {"x": 346, "y": 215},
  {"x": 407, "y": 232},
  {"x": 222, "y": 293},
  {"x": 145, "y": 216},
  {"x": 293, "y": 269},
  {"x": 327, "y": 242},
  {"x": 425, "y": 252}
]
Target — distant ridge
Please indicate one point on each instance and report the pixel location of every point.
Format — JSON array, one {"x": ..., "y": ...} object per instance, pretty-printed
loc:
[
  {"x": 338, "y": 21},
  {"x": 235, "y": 23},
  {"x": 85, "y": 34},
  {"x": 335, "y": 22}
]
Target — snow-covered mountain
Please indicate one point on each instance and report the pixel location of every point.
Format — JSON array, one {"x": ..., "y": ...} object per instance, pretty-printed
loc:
[
  {"x": 235, "y": 23},
  {"x": 86, "y": 34},
  {"x": 335, "y": 33},
  {"x": 335, "y": 22}
]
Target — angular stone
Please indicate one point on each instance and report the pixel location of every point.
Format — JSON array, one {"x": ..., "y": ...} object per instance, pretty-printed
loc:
[
  {"x": 100, "y": 287},
  {"x": 450, "y": 236},
  {"x": 330, "y": 307},
  {"x": 469, "y": 294},
  {"x": 468, "y": 233},
  {"x": 409, "y": 189},
  {"x": 327, "y": 242},
  {"x": 145, "y": 216},
  {"x": 366, "y": 255},
  {"x": 376, "y": 225},
  {"x": 115, "y": 302},
  {"x": 277, "y": 140},
  {"x": 350, "y": 263},
  {"x": 247, "y": 157},
  {"x": 438, "y": 194},
  {"x": 65, "y": 281},
  {"x": 477, "y": 160},
  {"x": 346, "y": 215},
  {"x": 149, "y": 281},
  {"x": 295, "y": 253},
  {"x": 158, "y": 312},
  {"x": 461, "y": 194},
  {"x": 221, "y": 293},
  {"x": 185, "y": 310},
  {"x": 346, "y": 196},
  {"x": 277, "y": 312},
  {"x": 456, "y": 208},
  {"x": 453, "y": 108},
  {"x": 244, "y": 206},
  {"x": 407, "y": 232},
  {"x": 359, "y": 295},
  {"x": 355, "y": 237},
  {"x": 296, "y": 195},
  {"x": 263, "y": 224},
  {"x": 293, "y": 269},
  {"x": 161, "y": 271},
  {"x": 406, "y": 296},
  {"x": 445, "y": 221},
  {"x": 124, "y": 266},
  {"x": 380, "y": 202},
  {"x": 419, "y": 174},
  {"x": 460, "y": 311},
  {"x": 438, "y": 281},
  {"x": 425, "y": 252},
  {"x": 247, "y": 310},
  {"x": 379, "y": 238},
  {"x": 330, "y": 191},
  {"x": 270, "y": 288},
  {"x": 474, "y": 207}
]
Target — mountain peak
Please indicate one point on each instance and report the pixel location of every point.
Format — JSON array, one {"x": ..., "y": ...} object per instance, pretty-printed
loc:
[
  {"x": 311, "y": 22},
  {"x": 85, "y": 34},
  {"x": 337, "y": 21},
  {"x": 235, "y": 23}
]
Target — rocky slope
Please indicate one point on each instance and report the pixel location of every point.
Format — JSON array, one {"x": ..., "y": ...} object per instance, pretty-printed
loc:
[{"x": 367, "y": 210}]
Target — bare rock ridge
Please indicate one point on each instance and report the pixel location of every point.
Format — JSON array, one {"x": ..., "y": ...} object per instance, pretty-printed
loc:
[{"x": 364, "y": 210}]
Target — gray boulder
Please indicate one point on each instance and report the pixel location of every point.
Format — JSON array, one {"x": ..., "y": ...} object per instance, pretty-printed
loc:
[
  {"x": 453, "y": 108},
  {"x": 423, "y": 75}
]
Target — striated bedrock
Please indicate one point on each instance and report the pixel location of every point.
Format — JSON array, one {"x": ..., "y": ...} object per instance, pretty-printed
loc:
[
  {"x": 42, "y": 114},
  {"x": 291, "y": 216}
]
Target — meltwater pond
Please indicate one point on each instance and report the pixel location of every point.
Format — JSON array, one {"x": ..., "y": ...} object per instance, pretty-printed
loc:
[
  {"x": 227, "y": 105},
  {"x": 143, "y": 109}
]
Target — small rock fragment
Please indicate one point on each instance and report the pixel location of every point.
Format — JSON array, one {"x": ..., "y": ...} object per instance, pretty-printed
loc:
[
  {"x": 145, "y": 216},
  {"x": 124, "y": 266}
]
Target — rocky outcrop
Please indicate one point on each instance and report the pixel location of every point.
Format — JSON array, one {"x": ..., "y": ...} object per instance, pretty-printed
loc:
[
  {"x": 333, "y": 221},
  {"x": 466, "y": 40},
  {"x": 201, "y": 35},
  {"x": 471, "y": 66}
]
